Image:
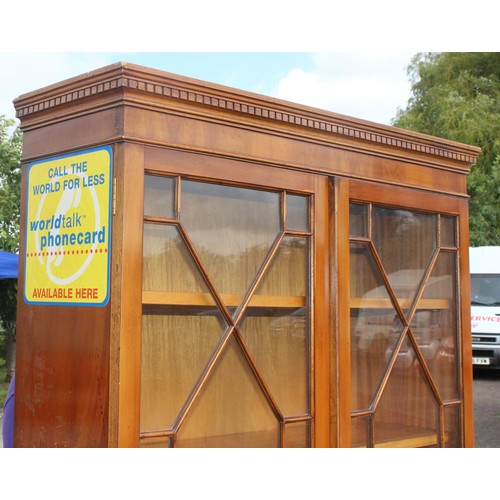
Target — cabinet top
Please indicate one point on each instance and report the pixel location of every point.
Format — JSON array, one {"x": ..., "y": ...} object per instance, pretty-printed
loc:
[{"x": 123, "y": 83}]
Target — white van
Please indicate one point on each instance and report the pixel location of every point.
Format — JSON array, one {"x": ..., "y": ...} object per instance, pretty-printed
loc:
[{"x": 485, "y": 306}]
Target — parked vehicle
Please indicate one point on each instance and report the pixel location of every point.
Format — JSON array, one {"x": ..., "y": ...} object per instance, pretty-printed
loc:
[{"x": 485, "y": 306}]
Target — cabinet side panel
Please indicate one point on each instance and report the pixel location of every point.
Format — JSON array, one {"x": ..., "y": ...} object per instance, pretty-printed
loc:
[
  {"x": 61, "y": 377},
  {"x": 62, "y": 366}
]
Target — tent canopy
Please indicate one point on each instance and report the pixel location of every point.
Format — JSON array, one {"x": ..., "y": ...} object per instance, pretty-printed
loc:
[{"x": 9, "y": 263}]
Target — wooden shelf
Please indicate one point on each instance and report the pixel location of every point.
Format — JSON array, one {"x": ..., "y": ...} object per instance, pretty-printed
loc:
[
  {"x": 383, "y": 303},
  {"x": 231, "y": 300},
  {"x": 407, "y": 437},
  {"x": 294, "y": 438}
]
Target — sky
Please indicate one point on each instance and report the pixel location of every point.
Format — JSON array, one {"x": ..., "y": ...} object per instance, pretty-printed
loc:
[
  {"x": 365, "y": 85},
  {"x": 349, "y": 58}
]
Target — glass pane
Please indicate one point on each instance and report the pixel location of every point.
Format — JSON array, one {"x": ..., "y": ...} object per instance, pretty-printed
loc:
[
  {"x": 358, "y": 220},
  {"x": 297, "y": 212},
  {"x": 167, "y": 264},
  {"x": 434, "y": 326},
  {"x": 405, "y": 242},
  {"x": 174, "y": 350},
  {"x": 276, "y": 329},
  {"x": 159, "y": 196},
  {"x": 375, "y": 326},
  {"x": 448, "y": 231},
  {"x": 452, "y": 426},
  {"x": 180, "y": 326},
  {"x": 232, "y": 230},
  {"x": 405, "y": 357},
  {"x": 407, "y": 413},
  {"x": 231, "y": 410},
  {"x": 287, "y": 276},
  {"x": 297, "y": 435}
]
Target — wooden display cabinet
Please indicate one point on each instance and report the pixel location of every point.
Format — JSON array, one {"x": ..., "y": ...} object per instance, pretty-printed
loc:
[{"x": 203, "y": 266}]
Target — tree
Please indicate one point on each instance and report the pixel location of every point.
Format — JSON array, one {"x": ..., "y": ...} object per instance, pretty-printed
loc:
[
  {"x": 10, "y": 194},
  {"x": 456, "y": 95}
]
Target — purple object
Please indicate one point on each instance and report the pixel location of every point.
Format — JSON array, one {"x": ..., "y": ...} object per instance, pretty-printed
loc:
[{"x": 8, "y": 416}]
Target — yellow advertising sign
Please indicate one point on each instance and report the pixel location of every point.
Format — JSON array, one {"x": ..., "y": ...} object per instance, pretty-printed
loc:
[{"x": 68, "y": 229}]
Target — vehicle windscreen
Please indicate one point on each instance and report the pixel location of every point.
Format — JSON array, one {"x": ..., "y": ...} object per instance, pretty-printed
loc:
[{"x": 485, "y": 289}]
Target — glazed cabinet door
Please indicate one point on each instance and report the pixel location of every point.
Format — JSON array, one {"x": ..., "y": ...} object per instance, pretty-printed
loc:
[
  {"x": 405, "y": 328},
  {"x": 227, "y": 337}
]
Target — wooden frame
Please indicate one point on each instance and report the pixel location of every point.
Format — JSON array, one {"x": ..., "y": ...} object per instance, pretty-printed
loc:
[{"x": 163, "y": 124}]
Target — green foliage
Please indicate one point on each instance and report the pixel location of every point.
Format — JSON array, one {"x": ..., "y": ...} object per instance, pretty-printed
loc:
[
  {"x": 10, "y": 184},
  {"x": 8, "y": 297},
  {"x": 484, "y": 190},
  {"x": 10, "y": 194},
  {"x": 456, "y": 96},
  {"x": 3, "y": 393}
]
